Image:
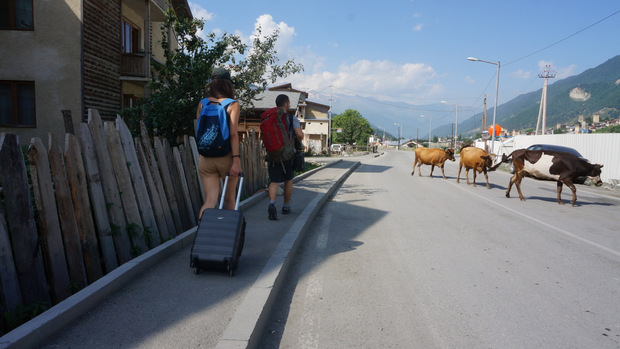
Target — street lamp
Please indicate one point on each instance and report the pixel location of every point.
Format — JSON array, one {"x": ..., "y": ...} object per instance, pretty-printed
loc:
[
  {"x": 496, "y": 91},
  {"x": 399, "y": 128},
  {"x": 430, "y": 128},
  {"x": 456, "y": 125}
]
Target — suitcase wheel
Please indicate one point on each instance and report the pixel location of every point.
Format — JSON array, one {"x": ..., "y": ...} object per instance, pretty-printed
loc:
[
  {"x": 231, "y": 268},
  {"x": 196, "y": 271}
]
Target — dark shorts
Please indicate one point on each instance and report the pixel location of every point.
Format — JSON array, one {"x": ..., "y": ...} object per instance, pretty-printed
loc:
[{"x": 280, "y": 172}]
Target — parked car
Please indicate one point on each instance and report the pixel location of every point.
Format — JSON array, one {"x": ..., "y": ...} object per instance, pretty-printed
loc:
[
  {"x": 336, "y": 148},
  {"x": 553, "y": 147}
]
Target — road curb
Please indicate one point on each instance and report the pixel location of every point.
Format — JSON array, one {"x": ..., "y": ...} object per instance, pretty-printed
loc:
[{"x": 248, "y": 323}]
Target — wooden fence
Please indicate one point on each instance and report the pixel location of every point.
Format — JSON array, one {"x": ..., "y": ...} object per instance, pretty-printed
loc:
[{"x": 71, "y": 214}]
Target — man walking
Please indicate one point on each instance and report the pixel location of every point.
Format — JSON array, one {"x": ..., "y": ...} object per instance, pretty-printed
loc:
[{"x": 283, "y": 171}]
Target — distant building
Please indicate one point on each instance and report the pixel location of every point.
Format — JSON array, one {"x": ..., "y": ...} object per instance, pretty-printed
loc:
[
  {"x": 313, "y": 117},
  {"x": 74, "y": 55}
]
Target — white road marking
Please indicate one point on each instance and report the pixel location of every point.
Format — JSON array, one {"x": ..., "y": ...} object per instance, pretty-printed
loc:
[
  {"x": 559, "y": 230},
  {"x": 310, "y": 321}
]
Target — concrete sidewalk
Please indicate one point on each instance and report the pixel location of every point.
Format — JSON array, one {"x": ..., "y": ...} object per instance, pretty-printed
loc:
[{"x": 156, "y": 301}]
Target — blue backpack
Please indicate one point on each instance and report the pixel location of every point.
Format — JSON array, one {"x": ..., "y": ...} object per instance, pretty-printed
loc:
[{"x": 212, "y": 134}]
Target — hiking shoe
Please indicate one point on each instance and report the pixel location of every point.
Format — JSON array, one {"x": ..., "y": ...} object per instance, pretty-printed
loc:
[
  {"x": 273, "y": 212},
  {"x": 286, "y": 209}
]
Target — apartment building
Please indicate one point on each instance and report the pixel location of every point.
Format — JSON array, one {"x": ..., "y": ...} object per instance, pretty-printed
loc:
[{"x": 61, "y": 57}]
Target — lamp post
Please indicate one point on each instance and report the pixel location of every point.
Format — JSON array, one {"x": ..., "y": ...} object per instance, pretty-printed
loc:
[
  {"x": 456, "y": 125},
  {"x": 496, "y": 91},
  {"x": 399, "y": 128},
  {"x": 430, "y": 128}
]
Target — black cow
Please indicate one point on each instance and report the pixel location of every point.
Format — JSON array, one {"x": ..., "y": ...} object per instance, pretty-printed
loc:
[{"x": 552, "y": 166}]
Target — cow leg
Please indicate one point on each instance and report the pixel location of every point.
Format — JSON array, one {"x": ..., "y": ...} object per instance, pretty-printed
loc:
[
  {"x": 518, "y": 185},
  {"x": 474, "y": 182},
  {"x": 512, "y": 180},
  {"x": 458, "y": 177},
  {"x": 432, "y": 168},
  {"x": 419, "y": 171},
  {"x": 413, "y": 171},
  {"x": 569, "y": 183},
  {"x": 560, "y": 193},
  {"x": 486, "y": 177},
  {"x": 443, "y": 174}
]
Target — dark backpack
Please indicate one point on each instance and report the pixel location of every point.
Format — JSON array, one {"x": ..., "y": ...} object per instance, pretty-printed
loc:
[
  {"x": 276, "y": 134},
  {"x": 212, "y": 133}
]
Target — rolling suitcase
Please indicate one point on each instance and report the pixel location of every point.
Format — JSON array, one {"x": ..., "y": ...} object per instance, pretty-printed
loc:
[{"x": 219, "y": 237}]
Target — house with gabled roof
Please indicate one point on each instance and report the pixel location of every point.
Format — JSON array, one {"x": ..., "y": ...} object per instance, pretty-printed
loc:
[
  {"x": 313, "y": 116},
  {"x": 63, "y": 57}
]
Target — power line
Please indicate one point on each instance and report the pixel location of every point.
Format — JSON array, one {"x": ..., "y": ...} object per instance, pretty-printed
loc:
[{"x": 566, "y": 38}]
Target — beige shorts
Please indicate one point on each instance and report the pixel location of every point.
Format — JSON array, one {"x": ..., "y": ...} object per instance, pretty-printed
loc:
[{"x": 215, "y": 167}]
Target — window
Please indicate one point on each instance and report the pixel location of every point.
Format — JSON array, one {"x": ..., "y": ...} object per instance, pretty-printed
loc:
[
  {"x": 16, "y": 14},
  {"x": 17, "y": 104},
  {"x": 131, "y": 38},
  {"x": 130, "y": 100}
]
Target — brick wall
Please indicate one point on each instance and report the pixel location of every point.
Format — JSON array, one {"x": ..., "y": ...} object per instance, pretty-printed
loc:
[{"x": 102, "y": 51}]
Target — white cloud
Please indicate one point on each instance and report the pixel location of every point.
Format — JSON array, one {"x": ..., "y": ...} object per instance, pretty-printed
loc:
[
  {"x": 470, "y": 80},
  {"x": 521, "y": 74},
  {"x": 384, "y": 80},
  {"x": 286, "y": 33},
  {"x": 418, "y": 27},
  {"x": 200, "y": 12}
]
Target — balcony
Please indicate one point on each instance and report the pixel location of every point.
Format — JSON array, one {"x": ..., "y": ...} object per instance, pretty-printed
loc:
[{"x": 133, "y": 64}]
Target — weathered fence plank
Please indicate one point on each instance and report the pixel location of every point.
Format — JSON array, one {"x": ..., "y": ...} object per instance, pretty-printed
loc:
[
  {"x": 191, "y": 175},
  {"x": 196, "y": 158},
  {"x": 10, "y": 295},
  {"x": 147, "y": 146},
  {"x": 97, "y": 199},
  {"x": 123, "y": 178},
  {"x": 169, "y": 188},
  {"x": 176, "y": 152},
  {"x": 20, "y": 221},
  {"x": 48, "y": 223},
  {"x": 176, "y": 184},
  {"x": 111, "y": 192},
  {"x": 68, "y": 222},
  {"x": 153, "y": 192},
  {"x": 253, "y": 163},
  {"x": 81, "y": 204},
  {"x": 150, "y": 228}
]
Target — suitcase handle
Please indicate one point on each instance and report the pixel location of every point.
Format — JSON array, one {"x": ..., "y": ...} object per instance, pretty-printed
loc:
[{"x": 238, "y": 191}]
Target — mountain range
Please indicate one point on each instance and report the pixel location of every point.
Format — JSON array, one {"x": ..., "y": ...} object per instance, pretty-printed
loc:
[{"x": 595, "y": 91}]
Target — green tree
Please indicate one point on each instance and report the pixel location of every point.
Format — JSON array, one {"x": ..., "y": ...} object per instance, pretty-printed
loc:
[
  {"x": 179, "y": 84},
  {"x": 355, "y": 128}
]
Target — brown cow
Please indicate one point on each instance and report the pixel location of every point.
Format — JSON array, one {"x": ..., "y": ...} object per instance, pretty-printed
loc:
[
  {"x": 433, "y": 157},
  {"x": 476, "y": 159},
  {"x": 551, "y": 166}
]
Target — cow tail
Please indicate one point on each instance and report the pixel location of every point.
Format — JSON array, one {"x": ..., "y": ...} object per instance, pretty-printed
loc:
[{"x": 506, "y": 158}]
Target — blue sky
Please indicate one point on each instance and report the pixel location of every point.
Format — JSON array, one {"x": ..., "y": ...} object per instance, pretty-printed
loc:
[{"x": 415, "y": 51}]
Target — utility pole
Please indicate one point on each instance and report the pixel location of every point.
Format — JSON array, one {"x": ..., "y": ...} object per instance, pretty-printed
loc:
[
  {"x": 484, "y": 114},
  {"x": 329, "y": 119},
  {"x": 543, "y": 99}
]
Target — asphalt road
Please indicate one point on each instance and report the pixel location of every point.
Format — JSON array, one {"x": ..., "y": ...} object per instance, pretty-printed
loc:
[{"x": 401, "y": 261}]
